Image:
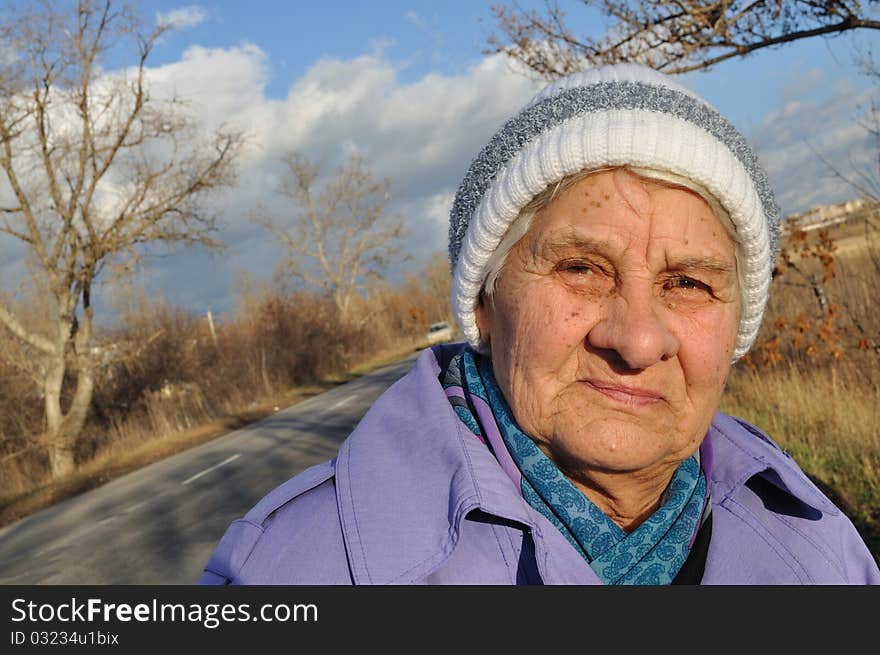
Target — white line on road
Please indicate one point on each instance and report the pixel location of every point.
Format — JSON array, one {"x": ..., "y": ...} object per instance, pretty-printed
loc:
[
  {"x": 132, "y": 508},
  {"x": 343, "y": 401},
  {"x": 208, "y": 470}
]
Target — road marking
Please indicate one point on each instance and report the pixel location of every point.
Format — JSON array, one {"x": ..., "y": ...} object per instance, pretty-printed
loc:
[
  {"x": 132, "y": 508},
  {"x": 208, "y": 470},
  {"x": 343, "y": 401}
]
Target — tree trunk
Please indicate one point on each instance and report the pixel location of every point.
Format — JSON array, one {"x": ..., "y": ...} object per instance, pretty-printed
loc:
[
  {"x": 63, "y": 429},
  {"x": 819, "y": 292},
  {"x": 341, "y": 299},
  {"x": 61, "y": 460},
  {"x": 60, "y": 454}
]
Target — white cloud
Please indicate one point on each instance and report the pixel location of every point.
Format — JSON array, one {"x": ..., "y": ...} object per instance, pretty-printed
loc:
[
  {"x": 421, "y": 135},
  {"x": 220, "y": 86},
  {"x": 182, "y": 17},
  {"x": 804, "y": 83},
  {"x": 794, "y": 140},
  {"x": 414, "y": 18}
]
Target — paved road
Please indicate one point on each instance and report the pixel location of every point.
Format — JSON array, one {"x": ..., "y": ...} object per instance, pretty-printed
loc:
[{"x": 158, "y": 525}]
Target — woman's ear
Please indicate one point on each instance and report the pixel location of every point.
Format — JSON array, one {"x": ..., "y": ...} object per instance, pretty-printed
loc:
[{"x": 483, "y": 313}]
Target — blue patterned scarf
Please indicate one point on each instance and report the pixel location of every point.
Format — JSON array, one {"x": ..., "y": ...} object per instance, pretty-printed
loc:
[{"x": 650, "y": 555}]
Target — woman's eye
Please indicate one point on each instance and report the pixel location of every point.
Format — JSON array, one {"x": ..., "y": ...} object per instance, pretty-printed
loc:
[
  {"x": 577, "y": 268},
  {"x": 584, "y": 276},
  {"x": 686, "y": 283}
]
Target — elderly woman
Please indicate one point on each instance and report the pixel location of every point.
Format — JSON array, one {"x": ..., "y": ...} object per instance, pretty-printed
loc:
[{"x": 612, "y": 249}]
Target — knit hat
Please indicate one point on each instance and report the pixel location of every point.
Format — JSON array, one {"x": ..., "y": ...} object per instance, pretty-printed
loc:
[{"x": 617, "y": 115}]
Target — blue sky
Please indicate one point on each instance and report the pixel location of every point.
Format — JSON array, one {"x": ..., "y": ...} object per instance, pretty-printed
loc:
[
  {"x": 422, "y": 36},
  {"x": 407, "y": 85}
]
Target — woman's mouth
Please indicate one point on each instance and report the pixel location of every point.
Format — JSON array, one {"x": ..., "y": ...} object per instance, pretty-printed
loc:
[{"x": 632, "y": 396}]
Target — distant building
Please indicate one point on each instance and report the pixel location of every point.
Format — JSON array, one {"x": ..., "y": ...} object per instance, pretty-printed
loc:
[{"x": 819, "y": 217}]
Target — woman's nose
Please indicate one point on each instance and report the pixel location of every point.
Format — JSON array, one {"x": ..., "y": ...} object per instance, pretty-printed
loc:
[{"x": 633, "y": 327}]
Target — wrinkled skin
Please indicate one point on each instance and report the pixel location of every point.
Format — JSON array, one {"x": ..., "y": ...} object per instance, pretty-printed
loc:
[{"x": 612, "y": 328}]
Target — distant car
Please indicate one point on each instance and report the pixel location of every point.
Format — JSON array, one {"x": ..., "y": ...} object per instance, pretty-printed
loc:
[{"x": 439, "y": 332}]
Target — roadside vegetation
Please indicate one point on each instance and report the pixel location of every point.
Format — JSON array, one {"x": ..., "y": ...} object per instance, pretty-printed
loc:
[
  {"x": 812, "y": 382},
  {"x": 175, "y": 379}
]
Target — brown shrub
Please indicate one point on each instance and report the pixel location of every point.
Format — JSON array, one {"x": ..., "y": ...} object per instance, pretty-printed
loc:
[{"x": 163, "y": 369}]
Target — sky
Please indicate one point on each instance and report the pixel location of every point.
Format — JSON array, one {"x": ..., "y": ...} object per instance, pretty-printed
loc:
[{"x": 408, "y": 85}]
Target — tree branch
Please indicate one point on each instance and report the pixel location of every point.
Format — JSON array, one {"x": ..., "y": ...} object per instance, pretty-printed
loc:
[
  {"x": 743, "y": 50},
  {"x": 671, "y": 35},
  {"x": 17, "y": 329}
]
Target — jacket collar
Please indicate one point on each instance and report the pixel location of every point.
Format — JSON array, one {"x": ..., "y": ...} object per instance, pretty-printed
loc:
[
  {"x": 401, "y": 519},
  {"x": 741, "y": 451}
]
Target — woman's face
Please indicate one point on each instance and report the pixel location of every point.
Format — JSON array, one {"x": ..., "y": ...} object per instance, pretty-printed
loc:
[{"x": 613, "y": 324}]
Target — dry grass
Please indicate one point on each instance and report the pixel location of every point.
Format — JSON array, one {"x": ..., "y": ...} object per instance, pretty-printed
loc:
[
  {"x": 122, "y": 458},
  {"x": 177, "y": 385},
  {"x": 137, "y": 443},
  {"x": 826, "y": 418}
]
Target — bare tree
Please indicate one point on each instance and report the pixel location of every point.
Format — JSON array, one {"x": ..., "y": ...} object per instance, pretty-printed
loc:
[
  {"x": 95, "y": 170},
  {"x": 340, "y": 232},
  {"x": 675, "y": 36},
  {"x": 864, "y": 179},
  {"x": 437, "y": 280}
]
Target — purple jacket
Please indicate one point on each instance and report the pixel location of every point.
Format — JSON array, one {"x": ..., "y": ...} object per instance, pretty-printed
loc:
[{"x": 413, "y": 498}]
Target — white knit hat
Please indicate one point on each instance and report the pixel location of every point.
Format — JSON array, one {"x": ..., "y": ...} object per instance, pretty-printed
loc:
[{"x": 617, "y": 115}]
